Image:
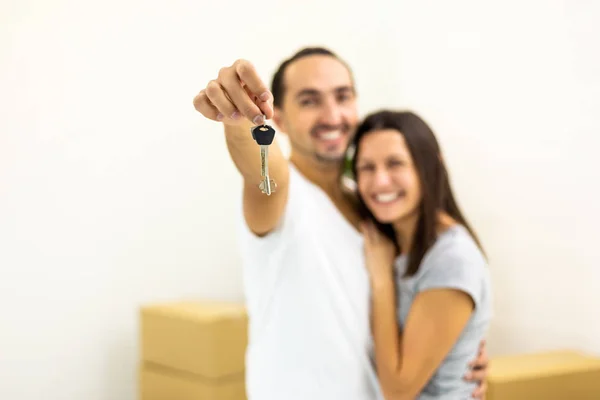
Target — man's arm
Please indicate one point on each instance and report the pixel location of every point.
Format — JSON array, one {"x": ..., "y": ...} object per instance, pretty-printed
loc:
[
  {"x": 240, "y": 100},
  {"x": 262, "y": 212}
]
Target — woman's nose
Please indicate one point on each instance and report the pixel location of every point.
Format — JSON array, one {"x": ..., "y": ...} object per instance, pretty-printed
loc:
[{"x": 382, "y": 178}]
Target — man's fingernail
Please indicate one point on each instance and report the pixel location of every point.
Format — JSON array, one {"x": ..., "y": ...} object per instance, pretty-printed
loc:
[
  {"x": 219, "y": 117},
  {"x": 235, "y": 115},
  {"x": 259, "y": 120},
  {"x": 265, "y": 96}
]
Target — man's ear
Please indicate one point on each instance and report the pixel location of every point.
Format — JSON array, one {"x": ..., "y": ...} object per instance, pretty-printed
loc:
[{"x": 278, "y": 119}]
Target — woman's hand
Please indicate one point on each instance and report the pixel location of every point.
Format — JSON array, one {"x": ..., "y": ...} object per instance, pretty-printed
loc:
[{"x": 380, "y": 252}]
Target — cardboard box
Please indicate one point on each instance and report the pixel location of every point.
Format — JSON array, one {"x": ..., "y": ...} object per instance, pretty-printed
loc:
[
  {"x": 159, "y": 383},
  {"x": 193, "y": 350},
  {"x": 556, "y": 375}
]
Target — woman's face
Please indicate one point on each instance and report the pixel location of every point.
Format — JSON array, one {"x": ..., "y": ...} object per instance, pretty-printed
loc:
[{"x": 386, "y": 177}]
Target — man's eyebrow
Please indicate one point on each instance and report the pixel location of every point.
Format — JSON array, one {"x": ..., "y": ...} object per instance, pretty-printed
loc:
[
  {"x": 315, "y": 92},
  {"x": 307, "y": 92},
  {"x": 345, "y": 89}
]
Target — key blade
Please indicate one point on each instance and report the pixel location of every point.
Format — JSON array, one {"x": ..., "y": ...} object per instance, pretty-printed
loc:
[
  {"x": 264, "y": 167},
  {"x": 264, "y": 159},
  {"x": 267, "y": 180},
  {"x": 265, "y": 184}
]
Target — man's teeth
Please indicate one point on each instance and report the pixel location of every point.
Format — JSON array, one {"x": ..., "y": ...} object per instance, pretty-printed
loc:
[
  {"x": 330, "y": 135},
  {"x": 386, "y": 197}
]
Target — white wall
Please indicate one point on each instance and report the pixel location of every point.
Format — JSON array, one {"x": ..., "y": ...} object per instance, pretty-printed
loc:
[
  {"x": 514, "y": 92},
  {"x": 112, "y": 187}
]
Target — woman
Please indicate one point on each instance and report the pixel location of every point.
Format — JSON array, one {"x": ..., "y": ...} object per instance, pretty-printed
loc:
[{"x": 418, "y": 243}]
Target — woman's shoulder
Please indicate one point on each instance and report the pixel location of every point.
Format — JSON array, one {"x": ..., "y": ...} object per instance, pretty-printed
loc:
[
  {"x": 454, "y": 245},
  {"x": 455, "y": 261}
]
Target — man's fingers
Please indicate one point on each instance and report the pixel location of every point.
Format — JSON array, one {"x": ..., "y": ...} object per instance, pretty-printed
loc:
[
  {"x": 237, "y": 93},
  {"x": 265, "y": 106},
  {"x": 231, "y": 84},
  {"x": 203, "y": 105},
  {"x": 479, "y": 392},
  {"x": 482, "y": 360},
  {"x": 483, "y": 354},
  {"x": 219, "y": 99},
  {"x": 476, "y": 375},
  {"x": 247, "y": 74}
]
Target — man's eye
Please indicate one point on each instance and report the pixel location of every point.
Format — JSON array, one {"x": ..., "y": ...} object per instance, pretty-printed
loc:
[
  {"x": 308, "y": 102},
  {"x": 344, "y": 97}
]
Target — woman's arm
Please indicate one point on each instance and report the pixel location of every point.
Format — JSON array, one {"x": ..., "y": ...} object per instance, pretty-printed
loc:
[{"x": 407, "y": 359}]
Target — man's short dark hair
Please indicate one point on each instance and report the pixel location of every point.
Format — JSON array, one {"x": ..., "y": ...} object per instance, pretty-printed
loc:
[{"x": 277, "y": 86}]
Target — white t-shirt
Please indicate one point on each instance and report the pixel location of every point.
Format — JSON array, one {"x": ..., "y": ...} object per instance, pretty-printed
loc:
[{"x": 307, "y": 293}]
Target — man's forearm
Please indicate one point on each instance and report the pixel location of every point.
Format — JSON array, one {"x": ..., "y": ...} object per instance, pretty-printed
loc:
[
  {"x": 245, "y": 154},
  {"x": 262, "y": 212}
]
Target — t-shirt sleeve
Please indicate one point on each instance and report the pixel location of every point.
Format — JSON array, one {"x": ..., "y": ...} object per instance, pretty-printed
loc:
[{"x": 457, "y": 266}]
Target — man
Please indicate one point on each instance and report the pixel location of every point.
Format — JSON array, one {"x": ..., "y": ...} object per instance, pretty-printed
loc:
[{"x": 306, "y": 286}]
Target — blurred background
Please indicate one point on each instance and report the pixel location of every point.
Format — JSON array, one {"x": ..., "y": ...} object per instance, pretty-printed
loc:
[{"x": 115, "y": 192}]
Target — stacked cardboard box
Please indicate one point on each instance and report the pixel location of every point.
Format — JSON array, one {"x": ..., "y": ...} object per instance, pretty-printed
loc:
[
  {"x": 555, "y": 375},
  {"x": 193, "y": 350}
]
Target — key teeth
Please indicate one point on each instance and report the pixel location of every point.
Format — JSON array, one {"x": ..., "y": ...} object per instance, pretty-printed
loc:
[{"x": 263, "y": 189}]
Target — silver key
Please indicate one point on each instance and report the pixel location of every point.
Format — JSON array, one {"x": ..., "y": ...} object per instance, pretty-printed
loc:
[{"x": 264, "y": 134}]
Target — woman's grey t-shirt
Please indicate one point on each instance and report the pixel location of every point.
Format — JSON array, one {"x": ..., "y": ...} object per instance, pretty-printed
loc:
[{"x": 454, "y": 261}]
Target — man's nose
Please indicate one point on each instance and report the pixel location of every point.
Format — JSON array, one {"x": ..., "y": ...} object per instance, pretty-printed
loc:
[{"x": 331, "y": 112}]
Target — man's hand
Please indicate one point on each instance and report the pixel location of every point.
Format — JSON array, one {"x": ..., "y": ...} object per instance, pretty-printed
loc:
[
  {"x": 479, "y": 371},
  {"x": 237, "y": 95},
  {"x": 240, "y": 99}
]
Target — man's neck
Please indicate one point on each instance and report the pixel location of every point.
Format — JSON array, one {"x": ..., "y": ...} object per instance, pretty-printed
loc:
[
  {"x": 323, "y": 174},
  {"x": 327, "y": 177}
]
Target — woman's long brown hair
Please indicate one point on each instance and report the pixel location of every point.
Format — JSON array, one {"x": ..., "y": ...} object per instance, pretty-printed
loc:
[{"x": 437, "y": 194}]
